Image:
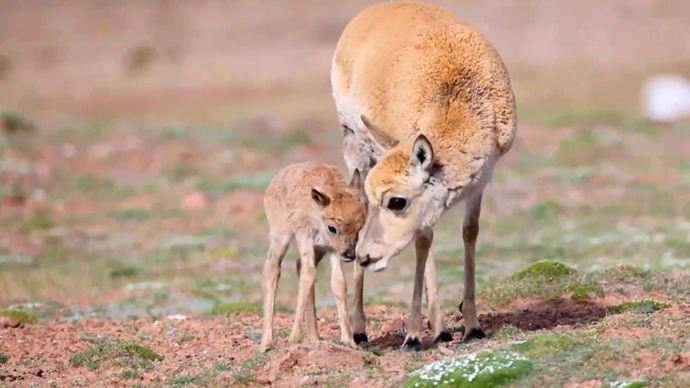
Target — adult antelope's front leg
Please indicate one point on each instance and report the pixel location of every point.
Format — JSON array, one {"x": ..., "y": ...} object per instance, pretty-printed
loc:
[
  {"x": 358, "y": 317},
  {"x": 470, "y": 231},
  {"x": 413, "y": 341},
  {"x": 433, "y": 306}
]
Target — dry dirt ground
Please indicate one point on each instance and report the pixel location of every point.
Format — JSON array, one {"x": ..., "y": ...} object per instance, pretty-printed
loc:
[{"x": 137, "y": 139}]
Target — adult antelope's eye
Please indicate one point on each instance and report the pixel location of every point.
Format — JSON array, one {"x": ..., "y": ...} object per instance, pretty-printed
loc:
[
  {"x": 396, "y": 203},
  {"x": 332, "y": 229}
]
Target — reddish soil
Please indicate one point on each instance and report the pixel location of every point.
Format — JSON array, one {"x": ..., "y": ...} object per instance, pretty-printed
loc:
[{"x": 39, "y": 353}]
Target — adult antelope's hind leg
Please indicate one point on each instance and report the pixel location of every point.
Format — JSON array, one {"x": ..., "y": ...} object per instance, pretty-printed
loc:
[
  {"x": 339, "y": 289},
  {"x": 470, "y": 231},
  {"x": 358, "y": 317},
  {"x": 280, "y": 241},
  {"x": 433, "y": 305},
  {"x": 413, "y": 340}
]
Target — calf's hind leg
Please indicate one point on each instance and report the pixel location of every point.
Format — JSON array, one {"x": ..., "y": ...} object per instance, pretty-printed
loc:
[{"x": 310, "y": 312}]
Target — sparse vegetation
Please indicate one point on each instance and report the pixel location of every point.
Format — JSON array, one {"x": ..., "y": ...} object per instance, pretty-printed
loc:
[
  {"x": 545, "y": 269},
  {"x": 640, "y": 306},
  {"x": 104, "y": 257},
  {"x": 233, "y": 308},
  {"x": 23, "y": 316},
  {"x": 111, "y": 352},
  {"x": 484, "y": 369},
  {"x": 549, "y": 344}
]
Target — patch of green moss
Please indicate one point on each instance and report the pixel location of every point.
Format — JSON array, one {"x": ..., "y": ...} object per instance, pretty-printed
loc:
[
  {"x": 22, "y": 316},
  {"x": 640, "y": 306},
  {"x": 4, "y": 358},
  {"x": 130, "y": 375},
  {"x": 109, "y": 353},
  {"x": 581, "y": 291},
  {"x": 123, "y": 272},
  {"x": 549, "y": 344},
  {"x": 37, "y": 223},
  {"x": 545, "y": 269},
  {"x": 483, "y": 369},
  {"x": 232, "y": 308},
  {"x": 628, "y": 384},
  {"x": 13, "y": 123},
  {"x": 222, "y": 254}
]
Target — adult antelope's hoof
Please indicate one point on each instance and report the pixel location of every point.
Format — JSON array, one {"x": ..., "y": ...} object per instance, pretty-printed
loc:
[
  {"x": 473, "y": 334},
  {"x": 360, "y": 337},
  {"x": 445, "y": 336},
  {"x": 412, "y": 345}
]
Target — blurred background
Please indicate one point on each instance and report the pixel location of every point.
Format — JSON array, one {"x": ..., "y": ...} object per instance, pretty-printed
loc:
[{"x": 138, "y": 137}]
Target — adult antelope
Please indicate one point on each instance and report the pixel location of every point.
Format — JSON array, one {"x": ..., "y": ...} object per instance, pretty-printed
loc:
[{"x": 427, "y": 109}]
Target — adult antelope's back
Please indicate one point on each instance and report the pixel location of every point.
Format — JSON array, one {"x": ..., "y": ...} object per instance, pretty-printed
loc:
[{"x": 427, "y": 108}]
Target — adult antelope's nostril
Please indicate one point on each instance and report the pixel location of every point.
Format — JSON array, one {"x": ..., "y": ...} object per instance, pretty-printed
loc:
[
  {"x": 349, "y": 254},
  {"x": 365, "y": 261}
]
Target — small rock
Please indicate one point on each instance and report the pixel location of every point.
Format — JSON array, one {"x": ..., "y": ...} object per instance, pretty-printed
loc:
[
  {"x": 264, "y": 378},
  {"x": 666, "y": 98},
  {"x": 10, "y": 322},
  {"x": 195, "y": 201},
  {"x": 445, "y": 351},
  {"x": 254, "y": 336},
  {"x": 395, "y": 325},
  {"x": 177, "y": 317}
]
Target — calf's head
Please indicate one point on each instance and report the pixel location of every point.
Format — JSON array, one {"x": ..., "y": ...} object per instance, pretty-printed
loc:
[{"x": 343, "y": 214}]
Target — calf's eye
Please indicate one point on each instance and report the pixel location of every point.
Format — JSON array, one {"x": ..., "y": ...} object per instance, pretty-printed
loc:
[
  {"x": 396, "y": 203},
  {"x": 332, "y": 229}
]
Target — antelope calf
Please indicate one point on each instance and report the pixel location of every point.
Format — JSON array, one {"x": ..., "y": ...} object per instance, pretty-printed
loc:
[
  {"x": 427, "y": 109},
  {"x": 311, "y": 203}
]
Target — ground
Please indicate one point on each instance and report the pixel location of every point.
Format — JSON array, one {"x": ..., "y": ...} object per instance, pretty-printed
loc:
[{"x": 132, "y": 234}]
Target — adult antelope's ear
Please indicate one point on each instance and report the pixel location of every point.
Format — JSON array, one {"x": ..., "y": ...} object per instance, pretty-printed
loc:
[
  {"x": 321, "y": 199},
  {"x": 378, "y": 134},
  {"x": 356, "y": 181},
  {"x": 422, "y": 154}
]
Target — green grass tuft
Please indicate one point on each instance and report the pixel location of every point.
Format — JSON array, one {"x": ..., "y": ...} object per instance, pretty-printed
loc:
[
  {"x": 548, "y": 269},
  {"x": 481, "y": 370},
  {"x": 37, "y": 223},
  {"x": 233, "y": 308},
  {"x": 582, "y": 291},
  {"x": 22, "y": 316},
  {"x": 545, "y": 280},
  {"x": 549, "y": 344},
  {"x": 628, "y": 384},
  {"x": 13, "y": 123},
  {"x": 108, "y": 353},
  {"x": 130, "y": 375},
  {"x": 4, "y": 358},
  {"x": 507, "y": 332},
  {"x": 123, "y": 272},
  {"x": 640, "y": 307},
  {"x": 258, "y": 181}
]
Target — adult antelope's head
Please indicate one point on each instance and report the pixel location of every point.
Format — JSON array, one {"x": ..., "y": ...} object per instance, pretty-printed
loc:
[{"x": 405, "y": 199}]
